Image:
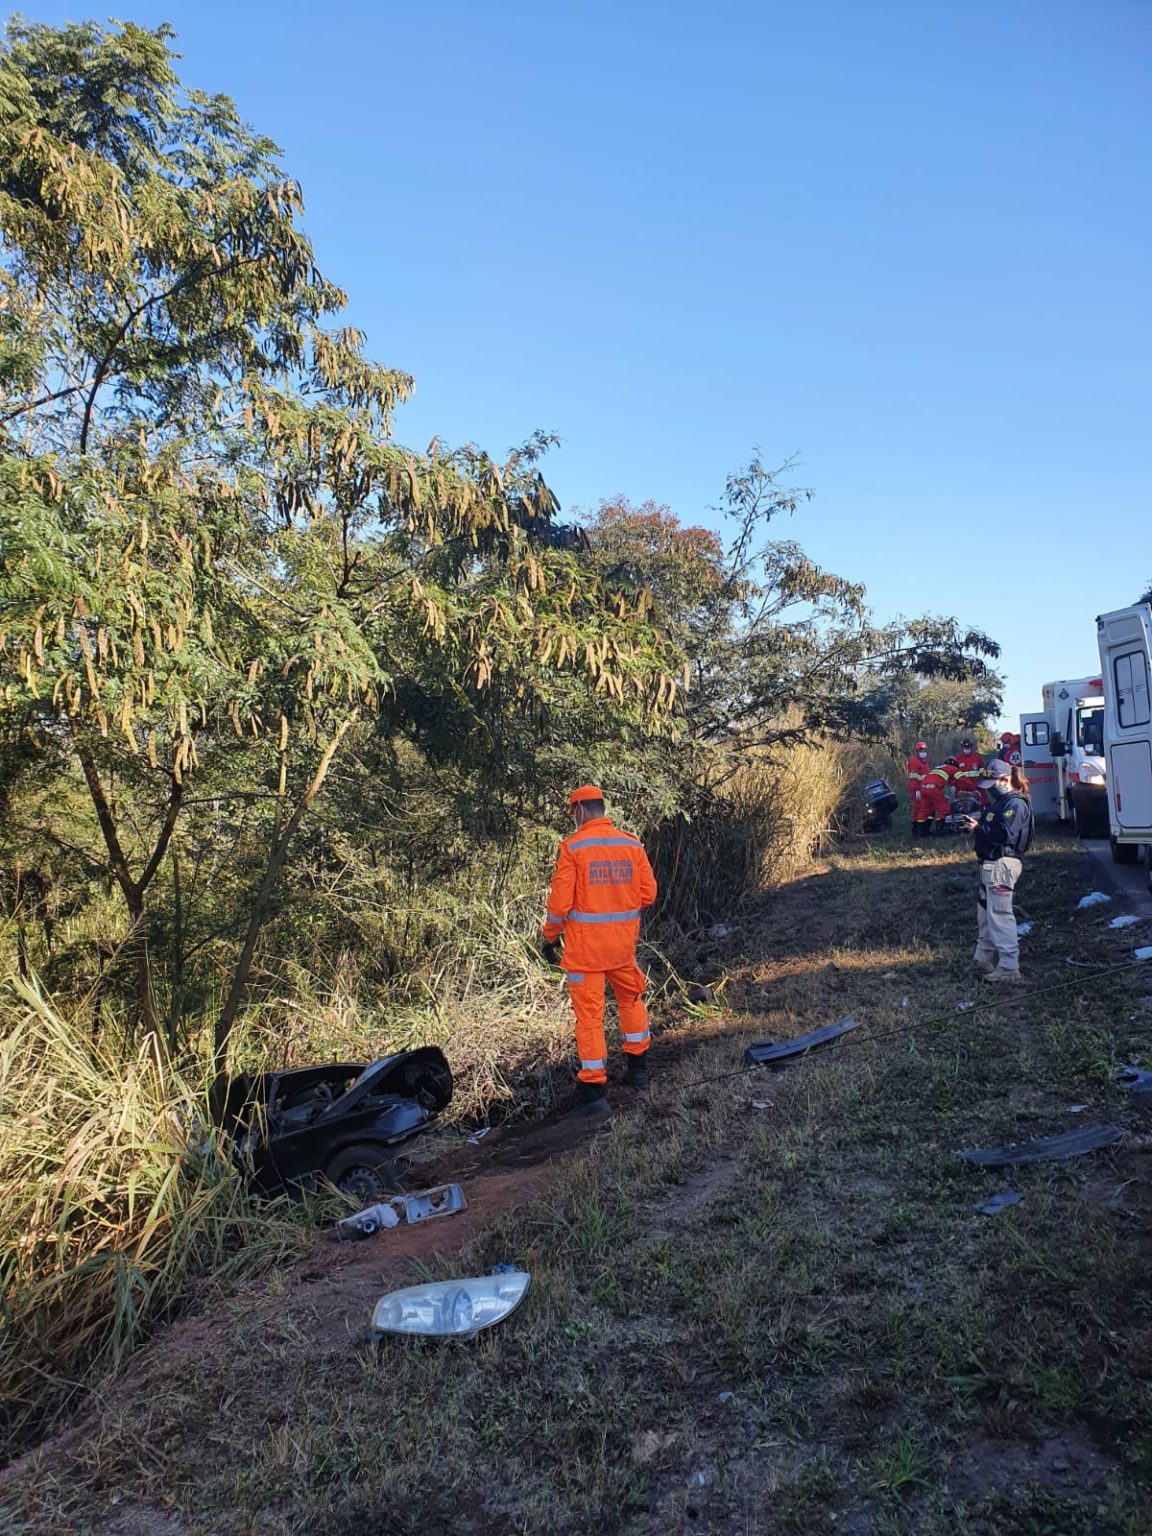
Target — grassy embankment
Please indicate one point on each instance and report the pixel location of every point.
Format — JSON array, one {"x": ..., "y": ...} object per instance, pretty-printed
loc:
[
  {"x": 108, "y": 1227},
  {"x": 783, "y": 1318}
]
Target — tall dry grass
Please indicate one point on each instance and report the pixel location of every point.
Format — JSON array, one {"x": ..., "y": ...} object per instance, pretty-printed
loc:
[
  {"x": 115, "y": 1204},
  {"x": 770, "y": 817}
]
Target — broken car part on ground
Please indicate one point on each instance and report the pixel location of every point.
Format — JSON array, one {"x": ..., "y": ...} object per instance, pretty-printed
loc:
[
  {"x": 1089, "y": 1138},
  {"x": 338, "y": 1122},
  {"x": 424, "y": 1205},
  {"x": 767, "y": 1053},
  {"x": 452, "y": 1308}
]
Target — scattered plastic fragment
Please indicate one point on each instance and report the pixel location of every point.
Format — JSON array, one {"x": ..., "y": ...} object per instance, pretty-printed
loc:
[
  {"x": 443, "y": 1200},
  {"x": 1024, "y": 929},
  {"x": 889, "y": 976},
  {"x": 760, "y": 1104},
  {"x": 964, "y": 1007},
  {"x": 1138, "y": 1083},
  {"x": 1087, "y": 964},
  {"x": 1123, "y": 922},
  {"x": 1093, "y": 899},
  {"x": 478, "y": 1137},
  {"x": 452, "y": 1308},
  {"x": 999, "y": 1202},
  {"x": 719, "y": 931},
  {"x": 725, "y": 1397},
  {"x": 1075, "y": 1109},
  {"x": 904, "y": 1001},
  {"x": 1090, "y": 1138},
  {"x": 1143, "y": 953},
  {"x": 368, "y": 1222},
  {"x": 766, "y": 1051}
]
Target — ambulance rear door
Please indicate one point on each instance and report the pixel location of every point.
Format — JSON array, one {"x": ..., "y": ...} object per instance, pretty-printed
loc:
[
  {"x": 1125, "y": 639},
  {"x": 1039, "y": 767}
]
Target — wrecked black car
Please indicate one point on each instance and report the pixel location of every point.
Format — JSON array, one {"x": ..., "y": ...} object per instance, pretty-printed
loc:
[{"x": 340, "y": 1122}]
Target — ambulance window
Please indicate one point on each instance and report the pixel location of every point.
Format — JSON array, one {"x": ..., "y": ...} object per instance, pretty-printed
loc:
[
  {"x": 1036, "y": 733},
  {"x": 1090, "y": 728},
  {"x": 1131, "y": 674}
]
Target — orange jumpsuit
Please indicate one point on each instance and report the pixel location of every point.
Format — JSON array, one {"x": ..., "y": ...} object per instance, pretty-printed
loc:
[
  {"x": 602, "y": 882},
  {"x": 917, "y": 768}
]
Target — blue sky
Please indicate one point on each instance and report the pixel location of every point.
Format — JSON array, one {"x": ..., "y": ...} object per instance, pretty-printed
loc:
[{"x": 906, "y": 241}]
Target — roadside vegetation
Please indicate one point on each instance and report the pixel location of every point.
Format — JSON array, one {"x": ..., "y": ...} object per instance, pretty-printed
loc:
[
  {"x": 761, "y": 1302},
  {"x": 288, "y": 708}
]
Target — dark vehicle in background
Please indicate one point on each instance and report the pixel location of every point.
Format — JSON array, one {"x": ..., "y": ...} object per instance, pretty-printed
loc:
[
  {"x": 880, "y": 800},
  {"x": 341, "y": 1122}
]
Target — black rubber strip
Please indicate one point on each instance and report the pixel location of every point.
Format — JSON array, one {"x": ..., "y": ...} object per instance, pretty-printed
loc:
[
  {"x": 758, "y": 1055},
  {"x": 1089, "y": 1138}
]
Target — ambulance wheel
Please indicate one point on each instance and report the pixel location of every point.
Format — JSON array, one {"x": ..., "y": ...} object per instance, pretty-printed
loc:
[
  {"x": 1124, "y": 853},
  {"x": 1148, "y": 865},
  {"x": 1085, "y": 824}
]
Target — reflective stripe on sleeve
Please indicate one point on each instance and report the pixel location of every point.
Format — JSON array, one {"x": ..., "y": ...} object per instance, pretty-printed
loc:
[
  {"x": 552, "y": 918},
  {"x": 574, "y": 978},
  {"x": 592, "y": 1066},
  {"x": 636, "y": 1039},
  {"x": 602, "y": 917},
  {"x": 606, "y": 842}
]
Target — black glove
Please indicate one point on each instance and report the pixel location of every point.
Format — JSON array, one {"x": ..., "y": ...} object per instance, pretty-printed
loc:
[{"x": 550, "y": 949}]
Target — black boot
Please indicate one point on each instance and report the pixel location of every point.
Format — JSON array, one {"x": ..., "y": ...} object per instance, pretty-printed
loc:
[
  {"x": 590, "y": 1100},
  {"x": 638, "y": 1074}
]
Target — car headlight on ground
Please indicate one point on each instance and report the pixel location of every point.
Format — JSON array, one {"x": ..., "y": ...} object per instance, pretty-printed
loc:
[{"x": 452, "y": 1308}]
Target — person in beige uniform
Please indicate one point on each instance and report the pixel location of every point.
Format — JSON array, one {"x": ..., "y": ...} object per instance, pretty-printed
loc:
[{"x": 1002, "y": 836}]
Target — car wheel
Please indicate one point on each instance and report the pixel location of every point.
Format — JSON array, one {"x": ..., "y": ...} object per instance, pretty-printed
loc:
[
  {"x": 1148, "y": 865},
  {"x": 364, "y": 1173},
  {"x": 1124, "y": 853}
]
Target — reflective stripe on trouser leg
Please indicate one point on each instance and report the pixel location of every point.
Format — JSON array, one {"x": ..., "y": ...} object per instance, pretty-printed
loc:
[
  {"x": 628, "y": 983},
  {"x": 586, "y": 989}
]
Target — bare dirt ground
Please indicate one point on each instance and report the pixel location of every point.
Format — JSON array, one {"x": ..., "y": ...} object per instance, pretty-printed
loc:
[{"x": 761, "y": 1302}]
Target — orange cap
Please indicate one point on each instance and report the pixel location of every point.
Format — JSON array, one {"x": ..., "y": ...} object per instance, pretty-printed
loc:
[{"x": 585, "y": 792}]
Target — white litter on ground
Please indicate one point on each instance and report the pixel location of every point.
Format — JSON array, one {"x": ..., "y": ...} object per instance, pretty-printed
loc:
[
  {"x": 1023, "y": 929},
  {"x": 1093, "y": 899},
  {"x": 1123, "y": 922},
  {"x": 1144, "y": 953}
]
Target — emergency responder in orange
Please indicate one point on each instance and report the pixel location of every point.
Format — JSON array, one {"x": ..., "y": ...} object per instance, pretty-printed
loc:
[
  {"x": 971, "y": 768},
  {"x": 917, "y": 768},
  {"x": 933, "y": 800},
  {"x": 602, "y": 882}
]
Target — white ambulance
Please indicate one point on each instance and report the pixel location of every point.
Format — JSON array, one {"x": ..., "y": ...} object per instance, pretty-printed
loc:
[
  {"x": 1062, "y": 751},
  {"x": 1125, "y": 639}
]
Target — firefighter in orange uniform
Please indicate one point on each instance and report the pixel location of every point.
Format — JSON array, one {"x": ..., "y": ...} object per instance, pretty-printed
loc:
[
  {"x": 603, "y": 881},
  {"x": 917, "y": 768}
]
